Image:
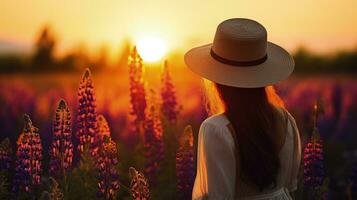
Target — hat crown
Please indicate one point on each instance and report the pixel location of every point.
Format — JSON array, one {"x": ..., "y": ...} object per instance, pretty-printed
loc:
[{"x": 240, "y": 40}]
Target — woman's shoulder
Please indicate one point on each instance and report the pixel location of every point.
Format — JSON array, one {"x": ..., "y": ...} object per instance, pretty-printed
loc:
[
  {"x": 291, "y": 125},
  {"x": 218, "y": 120},
  {"x": 214, "y": 130},
  {"x": 214, "y": 126},
  {"x": 291, "y": 119},
  {"x": 286, "y": 114}
]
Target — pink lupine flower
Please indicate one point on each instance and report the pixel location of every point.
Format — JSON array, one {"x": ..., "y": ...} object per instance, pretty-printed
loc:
[
  {"x": 137, "y": 87},
  {"x": 168, "y": 95},
  {"x": 185, "y": 166},
  {"x": 103, "y": 127},
  {"x": 314, "y": 172},
  {"x": 139, "y": 185},
  {"x": 29, "y": 158},
  {"x": 61, "y": 149},
  {"x": 87, "y": 132},
  {"x": 153, "y": 144},
  {"x": 108, "y": 183}
]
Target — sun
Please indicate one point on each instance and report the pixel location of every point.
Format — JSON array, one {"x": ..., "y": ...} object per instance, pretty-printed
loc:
[{"x": 151, "y": 49}]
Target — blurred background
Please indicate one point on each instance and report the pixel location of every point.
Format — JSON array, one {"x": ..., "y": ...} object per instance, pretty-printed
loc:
[{"x": 46, "y": 45}]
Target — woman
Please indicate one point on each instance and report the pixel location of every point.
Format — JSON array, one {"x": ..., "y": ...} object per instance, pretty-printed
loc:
[{"x": 250, "y": 148}]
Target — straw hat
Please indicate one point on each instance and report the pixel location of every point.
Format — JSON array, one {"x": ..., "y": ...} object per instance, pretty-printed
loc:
[{"x": 241, "y": 56}]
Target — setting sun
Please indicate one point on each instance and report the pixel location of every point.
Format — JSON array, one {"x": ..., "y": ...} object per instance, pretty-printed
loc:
[{"x": 151, "y": 49}]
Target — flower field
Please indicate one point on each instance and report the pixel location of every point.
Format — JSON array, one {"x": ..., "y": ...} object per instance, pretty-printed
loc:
[{"x": 133, "y": 135}]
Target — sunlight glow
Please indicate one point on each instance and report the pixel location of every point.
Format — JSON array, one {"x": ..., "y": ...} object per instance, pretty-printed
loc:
[{"x": 151, "y": 49}]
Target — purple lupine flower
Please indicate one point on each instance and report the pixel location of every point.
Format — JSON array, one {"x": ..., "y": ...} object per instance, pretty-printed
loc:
[
  {"x": 168, "y": 95},
  {"x": 185, "y": 166},
  {"x": 61, "y": 150},
  {"x": 87, "y": 132},
  {"x": 108, "y": 183},
  {"x": 314, "y": 173},
  {"x": 139, "y": 185},
  {"x": 29, "y": 155},
  {"x": 153, "y": 144},
  {"x": 103, "y": 127},
  {"x": 313, "y": 163},
  {"x": 134, "y": 135},
  {"x": 5, "y": 154},
  {"x": 137, "y": 87}
]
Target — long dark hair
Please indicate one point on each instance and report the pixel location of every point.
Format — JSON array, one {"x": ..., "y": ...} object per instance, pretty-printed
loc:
[{"x": 254, "y": 118}]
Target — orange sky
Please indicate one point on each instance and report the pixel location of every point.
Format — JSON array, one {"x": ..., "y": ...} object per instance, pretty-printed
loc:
[{"x": 321, "y": 25}]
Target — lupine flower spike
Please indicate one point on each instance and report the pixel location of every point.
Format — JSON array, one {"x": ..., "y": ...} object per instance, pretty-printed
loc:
[
  {"x": 185, "y": 169},
  {"x": 139, "y": 185},
  {"x": 29, "y": 156},
  {"x": 168, "y": 95},
  {"x": 153, "y": 144},
  {"x": 137, "y": 87},
  {"x": 103, "y": 127},
  {"x": 5, "y": 155},
  {"x": 61, "y": 150},
  {"x": 108, "y": 183},
  {"x": 313, "y": 162},
  {"x": 87, "y": 132}
]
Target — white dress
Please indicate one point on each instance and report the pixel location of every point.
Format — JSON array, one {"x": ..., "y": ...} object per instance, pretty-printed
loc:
[{"x": 216, "y": 170}]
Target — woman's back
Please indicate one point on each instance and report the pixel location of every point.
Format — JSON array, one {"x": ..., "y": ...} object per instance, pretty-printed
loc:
[
  {"x": 216, "y": 171},
  {"x": 246, "y": 151}
]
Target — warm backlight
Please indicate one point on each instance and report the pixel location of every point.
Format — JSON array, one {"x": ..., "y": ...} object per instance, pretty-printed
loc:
[{"x": 151, "y": 49}]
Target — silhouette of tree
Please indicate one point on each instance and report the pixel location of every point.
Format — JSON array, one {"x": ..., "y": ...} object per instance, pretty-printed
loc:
[
  {"x": 45, "y": 47},
  {"x": 102, "y": 61},
  {"x": 343, "y": 62},
  {"x": 125, "y": 50}
]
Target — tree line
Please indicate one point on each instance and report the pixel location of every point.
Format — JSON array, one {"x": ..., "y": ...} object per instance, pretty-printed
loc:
[{"x": 43, "y": 59}]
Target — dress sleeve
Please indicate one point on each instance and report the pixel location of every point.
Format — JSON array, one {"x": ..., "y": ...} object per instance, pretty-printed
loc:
[
  {"x": 215, "y": 178},
  {"x": 296, "y": 155}
]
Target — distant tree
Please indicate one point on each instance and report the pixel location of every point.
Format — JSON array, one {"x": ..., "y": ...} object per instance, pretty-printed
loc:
[
  {"x": 76, "y": 59},
  {"x": 102, "y": 60},
  {"x": 343, "y": 62},
  {"x": 125, "y": 50},
  {"x": 45, "y": 47},
  {"x": 307, "y": 62},
  {"x": 12, "y": 63}
]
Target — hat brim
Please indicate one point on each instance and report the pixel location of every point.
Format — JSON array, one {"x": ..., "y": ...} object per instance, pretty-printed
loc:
[{"x": 278, "y": 66}]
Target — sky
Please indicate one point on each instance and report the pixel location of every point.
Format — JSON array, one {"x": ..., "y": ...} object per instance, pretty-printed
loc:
[{"x": 319, "y": 25}]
